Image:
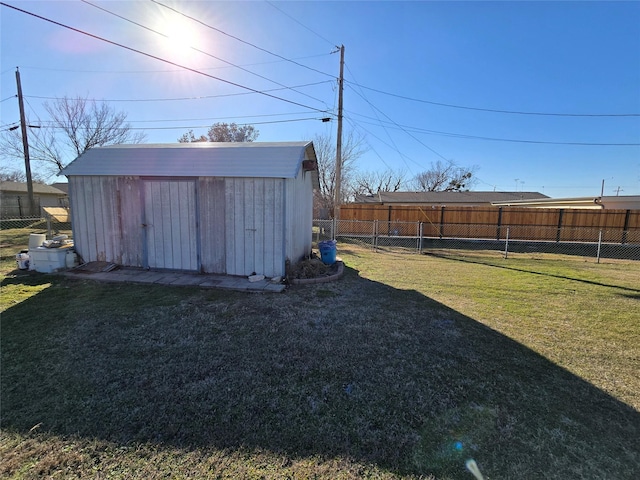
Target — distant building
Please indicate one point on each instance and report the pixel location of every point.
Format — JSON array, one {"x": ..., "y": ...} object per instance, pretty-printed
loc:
[
  {"x": 14, "y": 198},
  {"x": 460, "y": 199}
]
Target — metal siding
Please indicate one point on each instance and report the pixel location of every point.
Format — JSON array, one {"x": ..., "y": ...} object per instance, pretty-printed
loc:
[
  {"x": 130, "y": 212},
  {"x": 253, "y": 226},
  {"x": 78, "y": 216},
  {"x": 299, "y": 216},
  {"x": 234, "y": 224},
  {"x": 250, "y": 228},
  {"x": 267, "y": 226},
  {"x": 211, "y": 199},
  {"x": 171, "y": 224}
]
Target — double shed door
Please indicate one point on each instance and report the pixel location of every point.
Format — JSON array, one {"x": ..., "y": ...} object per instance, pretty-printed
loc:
[{"x": 170, "y": 224}]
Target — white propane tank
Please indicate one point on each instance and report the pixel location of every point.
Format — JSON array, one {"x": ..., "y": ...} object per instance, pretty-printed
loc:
[
  {"x": 22, "y": 259},
  {"x": 71, "y": 259}
]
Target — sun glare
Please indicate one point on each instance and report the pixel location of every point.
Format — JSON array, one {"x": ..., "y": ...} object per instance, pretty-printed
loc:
[{"x": 181, "y": 38}]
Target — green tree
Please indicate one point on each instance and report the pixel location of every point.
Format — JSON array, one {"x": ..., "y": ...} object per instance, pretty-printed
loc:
[{"x": 223, "y": 132}]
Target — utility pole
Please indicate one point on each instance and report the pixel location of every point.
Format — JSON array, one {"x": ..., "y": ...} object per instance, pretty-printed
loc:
[
  {"x": 25, "y": 146},
  {"x": 338, "y": 197}
]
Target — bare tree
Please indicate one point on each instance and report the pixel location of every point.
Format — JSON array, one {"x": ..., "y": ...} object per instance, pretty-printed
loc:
[
  {"x": 223, "y": 132},
  {"x": 370, "y": 183},
  {"x": 89, "y": 124},
  {"x": 75, "y": 126},
  {"x": 325, "y": 147},
  {"x": 445, "y": 177},
  {"x": 9, "y": 175}
]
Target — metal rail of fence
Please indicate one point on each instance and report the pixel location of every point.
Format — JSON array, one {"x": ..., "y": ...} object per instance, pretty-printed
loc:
[{"x": 419, "y": 237}]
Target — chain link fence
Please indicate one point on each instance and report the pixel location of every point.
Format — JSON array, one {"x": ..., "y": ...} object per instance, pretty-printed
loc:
[
  {"x": 462, "y": 239},
  {"x": 14, "y": 233}
]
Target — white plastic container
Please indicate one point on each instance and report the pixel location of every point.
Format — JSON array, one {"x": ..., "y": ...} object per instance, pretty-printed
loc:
[
  {"x": 71, "y": 259},
  {"x": 48, "y": 260},
  {"x": 36, "y": 240},
  {"x": 22, "y": 259}
]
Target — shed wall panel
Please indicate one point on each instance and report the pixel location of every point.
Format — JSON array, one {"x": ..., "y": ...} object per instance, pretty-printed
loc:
[
  {"x": 171, "y": 226},
  {"x": 130, "y": 209},
  {"x": 299, "y": 216},
  {"x": 211, "y": 199},
  {"x": 94, "y": 218},
  {"x": 252, "y": 220}
]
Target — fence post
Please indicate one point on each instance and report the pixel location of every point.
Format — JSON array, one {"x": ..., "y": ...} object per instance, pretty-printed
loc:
[
  {"x": 334, "y": 226},
  {"x": 625, "y": 228},
  {"x": 599, "y": 246},
  {"x": 419, "y": 237},
  {"x": 49, "y": 233},
  {"x": 559, "y": 231},
  {"x": 375, "y": 235},
  {"x": 506, "y": 245}
]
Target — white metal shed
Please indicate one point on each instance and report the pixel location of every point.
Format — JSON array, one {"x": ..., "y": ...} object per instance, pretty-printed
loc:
[{"x": 232, "y": 208}]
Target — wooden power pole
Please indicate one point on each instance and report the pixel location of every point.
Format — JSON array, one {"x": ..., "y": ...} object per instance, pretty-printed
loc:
[
  {"x": 338, "y": 195},
  {"x": 25, "y": 147}
]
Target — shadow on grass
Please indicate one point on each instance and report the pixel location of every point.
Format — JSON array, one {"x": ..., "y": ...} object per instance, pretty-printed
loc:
[
  {"x": 533, "y": 272},
  {"x": 354, "y": 369}
]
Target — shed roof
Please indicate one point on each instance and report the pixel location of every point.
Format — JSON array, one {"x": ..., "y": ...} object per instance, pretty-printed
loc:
[
  {"x": 446, "y": 197},
  {"x": 199, "y": 159}
]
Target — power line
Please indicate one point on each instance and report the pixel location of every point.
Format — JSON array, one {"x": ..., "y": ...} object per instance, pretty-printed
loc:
[
  {"x": 356, "y": 126},
  {"x": 167, "y": 120},
  {"x": 401, "y": 127},
  {"x": 159, "y": 58},
  {"x": 217, "y": 118},
  {"x": 201, "y": 97},
  {"x": 333, "y": 44},
  {"x": 395, "y": 147},
  {"x": 183, "y": 127},
  {"x": 198, "y": 50},
  {"x": 510, "y": 112},
  {"x": 118, "y": 72},
  {"x": 477, "y": 137},
  {"x": 239, "y": 39}
]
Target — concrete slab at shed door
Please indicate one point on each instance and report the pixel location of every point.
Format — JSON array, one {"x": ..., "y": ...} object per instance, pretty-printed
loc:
[{"x": 170, "y": 224}]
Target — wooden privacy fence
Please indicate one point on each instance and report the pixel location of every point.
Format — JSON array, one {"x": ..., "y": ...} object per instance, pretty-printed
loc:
[{"x": 552, "y": 224}]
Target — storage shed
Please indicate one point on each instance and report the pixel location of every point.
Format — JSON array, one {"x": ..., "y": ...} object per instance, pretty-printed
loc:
[{"x": 230, "y": 208}]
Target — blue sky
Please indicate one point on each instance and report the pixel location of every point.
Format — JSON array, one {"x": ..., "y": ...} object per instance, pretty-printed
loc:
[{"x": 404, "y": 63}]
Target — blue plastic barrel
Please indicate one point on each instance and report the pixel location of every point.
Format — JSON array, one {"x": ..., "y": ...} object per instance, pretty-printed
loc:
[{"x": 328, "y": 251}]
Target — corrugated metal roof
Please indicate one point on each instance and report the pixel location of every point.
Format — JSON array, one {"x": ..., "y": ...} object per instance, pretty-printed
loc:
[
  {"x": 200, "y": 159},
  {"x": 446, "y": 197}
]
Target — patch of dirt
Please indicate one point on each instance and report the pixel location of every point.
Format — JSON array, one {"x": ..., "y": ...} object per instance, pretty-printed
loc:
[{"x": 311, "y": 268}]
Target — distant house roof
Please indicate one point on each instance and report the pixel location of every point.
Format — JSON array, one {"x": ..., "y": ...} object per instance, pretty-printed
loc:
[
  {"x": 446, "y": 198},
  {"x": 623, "y": 202},
  {"x": 38, "y": 188},
  {"x": 200, "y": 159},
  {"x": 63, "y": 186}
]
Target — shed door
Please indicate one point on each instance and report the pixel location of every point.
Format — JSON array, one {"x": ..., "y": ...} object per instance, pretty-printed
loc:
[{"x": 170, "y": 224}]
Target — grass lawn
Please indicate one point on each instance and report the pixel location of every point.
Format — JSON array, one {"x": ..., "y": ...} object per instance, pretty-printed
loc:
[{"x": 405, "y": 368}]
